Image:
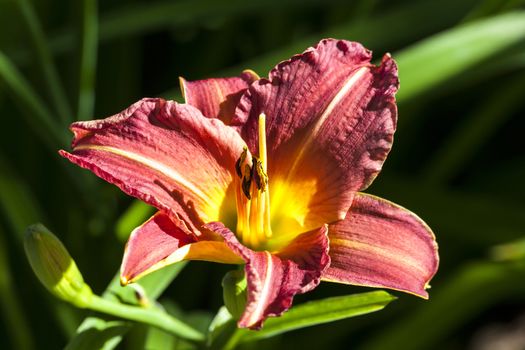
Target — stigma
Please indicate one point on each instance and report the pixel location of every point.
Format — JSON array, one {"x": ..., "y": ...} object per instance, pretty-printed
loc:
[{"x": 253, "y": 195}]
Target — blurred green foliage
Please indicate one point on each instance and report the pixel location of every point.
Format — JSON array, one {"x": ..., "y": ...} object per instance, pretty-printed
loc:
[{"x": 458, "y": 159}]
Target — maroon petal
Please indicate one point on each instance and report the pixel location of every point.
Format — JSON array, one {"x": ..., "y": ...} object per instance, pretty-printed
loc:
[
  {"x": 275, "y": 278},
  {"x": 166, "y": 154},
  {"x": 217, "y": 98},
  {"x": 331, "y": 116},
  {"x": 159, "y": 242},
  {"x": 381, "y": 244}
]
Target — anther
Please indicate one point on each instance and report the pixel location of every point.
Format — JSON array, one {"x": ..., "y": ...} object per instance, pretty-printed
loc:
[
  {"x": 241, "y": 160},
  {"x": 247, "y": 181}
]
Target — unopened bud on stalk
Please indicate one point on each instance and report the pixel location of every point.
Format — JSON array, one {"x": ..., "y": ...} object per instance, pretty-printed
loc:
[
  {"x": 54, "y": 267},
  {"x": 234, "y": 292}
]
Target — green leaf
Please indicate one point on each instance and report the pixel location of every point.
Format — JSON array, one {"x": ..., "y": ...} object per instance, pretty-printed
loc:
[
  {"x": 17, "y": 202},
  {"x": 509, "y": 251},
  {"x": 321, "y": 311},
  {"x": 141, "y": 18},
  {"x": 97, "y": 333},
  {"x": 466, "y": 294},
  {"x": 372, "y": 32},
  {"x": 158, "y": 339},
  {"x": 221, "y": 324},
  {"x": 442, "y": 56},
  {"x": 153, "y": 285}
]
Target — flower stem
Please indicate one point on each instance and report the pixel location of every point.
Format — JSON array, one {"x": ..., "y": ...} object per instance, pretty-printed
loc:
[
  {"x": 150, "y": 316},
  {"x": 234, "y": 339}
]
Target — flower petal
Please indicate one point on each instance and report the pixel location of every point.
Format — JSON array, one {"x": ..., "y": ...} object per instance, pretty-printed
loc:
[
  {"x": 380, "y": 244},
  {"x": 159, "y": 242},
  {"x": 166, "y": 154},
  {"x": 330, "y": 116},
  {"x": 275, "y": 278},
  {"x": 217, "y": 98}
]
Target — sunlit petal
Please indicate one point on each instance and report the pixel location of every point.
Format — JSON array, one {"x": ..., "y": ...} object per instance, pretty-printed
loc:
[
  {"x": 274, "y": 279},
  {"x": 159, "y": 242},
  {"x": 380, "y": 244},
  {"x": 166, "y": 154},
  {"x": 331, "y": 117},
  {"x": 217, "y": 97}
]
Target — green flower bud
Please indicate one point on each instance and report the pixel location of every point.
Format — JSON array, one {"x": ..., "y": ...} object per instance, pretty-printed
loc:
[
  {"x": 54, "y": 267},
  {"x": 234, "y": 292}
]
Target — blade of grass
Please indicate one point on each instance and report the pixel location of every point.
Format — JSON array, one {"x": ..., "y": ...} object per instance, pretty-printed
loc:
[
  {"x": 373, "y": 32},
  {"x": 509, "y": 251},
  {"x": 88, "y": 60},
  {"x": 435, "y": 60},
  {"x": 151, "y": 316},
  {"x": 43, "y": 124},
  {"x": 139, "y": 19},
  {"x": 21, "y": 208},
  {"x": 474, "y": 131},
  {"x": 43, "y": 53},
  {"x": 321, "y": 311},
  {"x": 308, "y": 314},
  {"x": 16, "y": 201},
  {"x": 471, "y": 290},
  {"x": 12, "y": 311},
  {"x": 40, "y": 118},
  {"x": 513, "y": 61},
  {"x": 97, "y": 333}
]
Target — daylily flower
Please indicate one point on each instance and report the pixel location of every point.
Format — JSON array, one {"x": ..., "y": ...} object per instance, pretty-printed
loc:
[{"x": 268, "y": 173}]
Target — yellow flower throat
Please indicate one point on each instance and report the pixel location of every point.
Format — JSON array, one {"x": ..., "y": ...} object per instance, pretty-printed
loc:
[{"x": 253, "y": 195}]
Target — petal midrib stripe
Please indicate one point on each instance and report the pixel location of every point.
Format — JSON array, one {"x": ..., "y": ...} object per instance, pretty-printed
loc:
[
  {"x": 265, "y": 291},
  {"x": 159, "y": 167},
  {"x": 312, "y": 134},
  {"x": 381, "y": 251}
]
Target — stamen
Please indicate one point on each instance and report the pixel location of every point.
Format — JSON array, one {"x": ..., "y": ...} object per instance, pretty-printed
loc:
[
  {"x": 247, "y": 181},
  {"x": 241, "y": 160},
  {"x": 253, "y": 197},
  {"x": 265, "y": 208},
  {"x": 262, "y": 141}
]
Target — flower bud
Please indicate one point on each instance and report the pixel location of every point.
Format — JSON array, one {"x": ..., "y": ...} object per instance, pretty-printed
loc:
[
  {"x": 54, "y": 267},
  {"x": 234, "y": 292}
]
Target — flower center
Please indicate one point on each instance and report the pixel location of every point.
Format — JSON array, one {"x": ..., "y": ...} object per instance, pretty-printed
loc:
[{"x": 253, "y": 195}]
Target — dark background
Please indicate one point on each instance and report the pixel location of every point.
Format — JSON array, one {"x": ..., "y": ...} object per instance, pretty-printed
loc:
[{"x": 457, "y": 161}]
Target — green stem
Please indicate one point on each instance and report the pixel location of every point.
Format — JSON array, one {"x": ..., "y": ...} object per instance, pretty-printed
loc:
[
  {"x": 234, "y": 339},
  {"x": 149, "y": 316},
  {"x": 45, "y": 60}
]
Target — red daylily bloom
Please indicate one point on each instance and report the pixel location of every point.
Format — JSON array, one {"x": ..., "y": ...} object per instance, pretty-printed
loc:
[{"x": 267, "y": 173}]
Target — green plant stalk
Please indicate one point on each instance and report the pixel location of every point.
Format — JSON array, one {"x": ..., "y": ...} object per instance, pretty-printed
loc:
[
  {"x": 40, "y": 117},
  {"x": 148, "y": 316},
  {"x": 45, "y": 59},
  {"x": 88, "y": 59}
]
